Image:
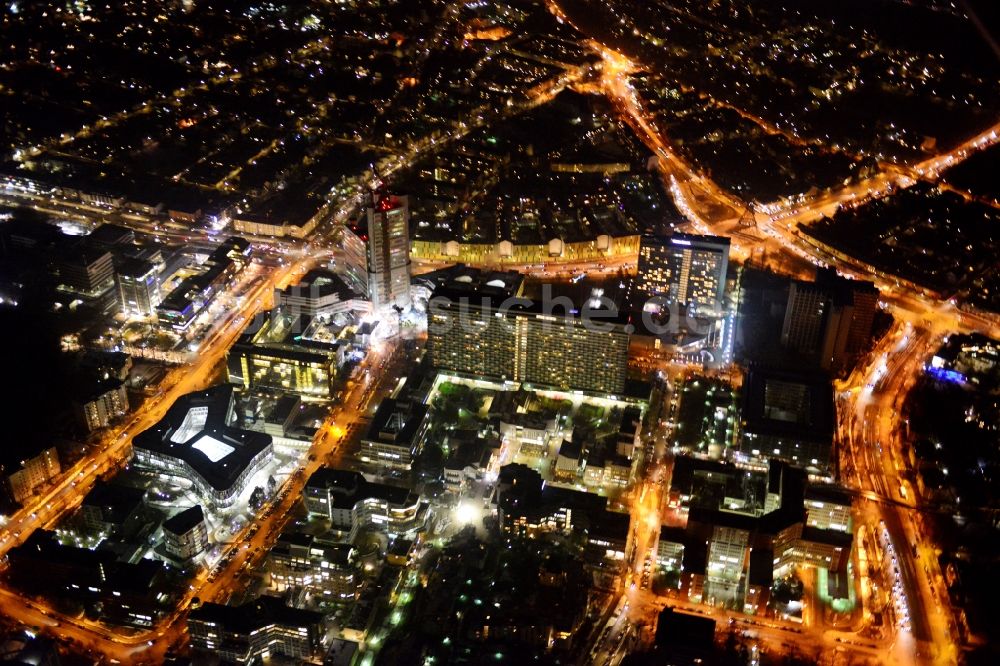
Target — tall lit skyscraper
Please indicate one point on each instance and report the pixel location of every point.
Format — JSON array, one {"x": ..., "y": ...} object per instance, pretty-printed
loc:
[
  {"x": 388, "y": 251},
  {"x": 685, "y": 269}
]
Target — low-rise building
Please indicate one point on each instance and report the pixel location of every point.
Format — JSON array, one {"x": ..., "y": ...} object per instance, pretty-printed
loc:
[
  {"x": 125, "y": 593},
  {"x": 112, "y": 510},
  {"x": 185, "y": 535},
  {"x": 394, "y": 434},
  {"x": 187, "y": 300},
  {"x": 319, "y": 567},
  {"x": 526, "y": 507},
  {"x": 351, "y": 503},
  {"x": 257, "y": 630}
]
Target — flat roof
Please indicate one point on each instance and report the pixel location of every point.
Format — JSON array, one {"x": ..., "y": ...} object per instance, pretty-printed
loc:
[
  {"x": 257, "y": 614},
  {"x": 815, "y": 420},
  {"x": 185, "y": 521}
]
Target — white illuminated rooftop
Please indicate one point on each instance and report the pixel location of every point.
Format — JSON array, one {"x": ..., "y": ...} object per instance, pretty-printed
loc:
[
  {"x": 194, "y": 421},
  {"x": 213, "y": 449}
]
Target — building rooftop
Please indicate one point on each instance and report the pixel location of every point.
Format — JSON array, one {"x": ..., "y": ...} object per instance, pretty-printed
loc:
[
  {"x": 111, "y": 234},
  {"x": 829, "y": 493},
  {"x": 115, "y": 502},
  {"x": 319, "y": 283},
  {"x": 788, "y": 403},
  {"x": 255, "y": 615},
  {"x": 185, "y": 521},
  {"x": 348, "y": 487},
  {"x": 392, "y": 424},
  {"x": 135, "y": 268}
]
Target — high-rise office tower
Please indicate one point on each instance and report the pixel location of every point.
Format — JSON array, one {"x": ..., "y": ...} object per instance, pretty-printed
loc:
[
  {"x": 849, "y": 321},
  {"x": 138, "y": 287},
  {"x": 685, "y": 269},
  {"x": 805, "y": 316},
  {"x": 388, "y": 251},
  {"x": 831, "y": 317}
]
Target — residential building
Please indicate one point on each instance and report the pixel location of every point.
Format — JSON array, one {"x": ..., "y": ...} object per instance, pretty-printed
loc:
[
  {"x": 317, "y": 566},
  {"x": 484, "y": 326},
  {"x": 526, "y": 507},
  {"x": 25, "y": 471},
  {"x": 107, "y": 402}
]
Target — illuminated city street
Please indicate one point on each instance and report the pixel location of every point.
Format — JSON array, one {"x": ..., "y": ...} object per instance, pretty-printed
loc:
[{"x": 554, "y": 331}]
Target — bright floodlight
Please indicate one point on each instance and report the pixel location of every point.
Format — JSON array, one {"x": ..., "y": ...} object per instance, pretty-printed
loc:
[{"x": 467, "y": 512}]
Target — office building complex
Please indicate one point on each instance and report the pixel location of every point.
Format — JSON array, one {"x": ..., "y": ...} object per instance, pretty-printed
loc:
[
  {"x": 320, "y": 293},
  {"x": 200, "y": 440},
  {"x": 828, "y": 507},
  {"x": 483, "y": 325},
  {"x": 314, "y": 565},
  {"x": 138, "y": 287},
  {"x": 388, "y": 252},
  {"x": 805, "y": 315},
  {"x": 394, "y": 434},
  {"x": 788, "y": 415},
  {"x": 84, "y": 268},
  {"x": 256, "y": 630},
  {"x": 180, "y": 307},
  {"x": 351, "y": 503},
  {"x": 849, "y": 326},
  {"x": 684, "y": 269},
  {"x": 742, "y": 529},
  {"x": 185, "y": 535},
  {"x": 831, "y": 317},
  {"x": 288, "y": 353}
]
